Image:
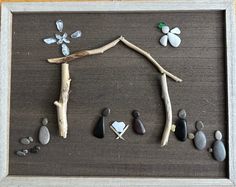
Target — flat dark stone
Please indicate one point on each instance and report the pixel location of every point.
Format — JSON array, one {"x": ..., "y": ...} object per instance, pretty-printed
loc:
[
  {"x": 35, "y": 149},
  {"x": 99, "y": 130},
  {"x": 181, "y": 129},
  {"x": 138, "y": 126}
]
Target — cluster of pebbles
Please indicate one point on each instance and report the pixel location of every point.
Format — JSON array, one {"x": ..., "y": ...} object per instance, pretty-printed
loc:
[
  {"x": 199, "y": 137},
  {"x": 43, "y": 137}
]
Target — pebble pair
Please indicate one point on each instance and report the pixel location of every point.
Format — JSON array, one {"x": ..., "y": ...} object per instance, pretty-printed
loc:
[
  {"x": 218, "y": 148},
  {"x": 118, "y": 127},
  {"x": 181, "y": 131}
]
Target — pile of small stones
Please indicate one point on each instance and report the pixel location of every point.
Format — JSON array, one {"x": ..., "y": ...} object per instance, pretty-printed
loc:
[{"x": 44, "y": 138}]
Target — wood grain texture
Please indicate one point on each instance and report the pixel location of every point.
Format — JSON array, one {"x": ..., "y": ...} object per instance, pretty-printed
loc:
[{"x": 122, "y": 80}]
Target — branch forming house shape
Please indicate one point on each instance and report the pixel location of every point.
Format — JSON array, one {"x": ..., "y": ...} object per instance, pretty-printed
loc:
[{"x": 65, "y": 84}]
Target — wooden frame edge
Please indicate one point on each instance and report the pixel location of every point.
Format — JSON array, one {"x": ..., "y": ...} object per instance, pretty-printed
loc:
[{"x": 5, "y": 76}]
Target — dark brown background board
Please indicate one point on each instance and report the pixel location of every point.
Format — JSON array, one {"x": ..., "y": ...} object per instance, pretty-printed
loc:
[{"x": 122, "y": 80}]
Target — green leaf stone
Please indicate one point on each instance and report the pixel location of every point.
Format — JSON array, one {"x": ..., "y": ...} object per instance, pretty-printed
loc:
[{"x": 161, "y": 24}]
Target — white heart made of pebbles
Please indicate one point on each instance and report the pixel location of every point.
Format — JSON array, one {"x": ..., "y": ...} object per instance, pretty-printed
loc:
[{"x": 118, "y": 126}]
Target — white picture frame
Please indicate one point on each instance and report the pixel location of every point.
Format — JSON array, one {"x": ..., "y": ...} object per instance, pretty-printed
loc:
[{"x": 8, "y": 9}]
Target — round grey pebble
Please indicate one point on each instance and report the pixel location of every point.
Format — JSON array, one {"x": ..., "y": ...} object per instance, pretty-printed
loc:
[
  {"x": 44, "y": 135},
  {"x": 45, "y": 121},
  {"x": 200, "y": 140},
  {"x": 218, "y": 135},
  {"x": 20, "y": 153},
  {"x": 25, "y": 141},
  {"x": 30, "y": 139},
  {"x": 191, "y": 136},
  {"x": 182, "y": 114},
  {"x": 199, "y": 125}
]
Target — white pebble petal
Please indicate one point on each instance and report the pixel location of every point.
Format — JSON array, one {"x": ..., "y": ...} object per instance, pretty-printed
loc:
[
  {"x": 175, "y": 30},
  {"x": 59, "y": 25},
  {"x": 65, "y": 50},
  {"x": 174, "y": 39},
  {"x": 49, "y": 40},
  {"x": 76, "y": 34},
  {"x": 163, "y": 40}
]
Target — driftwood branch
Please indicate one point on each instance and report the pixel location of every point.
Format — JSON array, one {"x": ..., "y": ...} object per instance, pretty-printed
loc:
[
  {"x": 102, "y": 49},
  {"x": 166, "y": 98},
  {"x": 62, "y": 103}
]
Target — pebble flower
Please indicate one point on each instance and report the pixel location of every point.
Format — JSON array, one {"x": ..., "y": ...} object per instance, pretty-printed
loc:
[{"x": 62, "y": 38}]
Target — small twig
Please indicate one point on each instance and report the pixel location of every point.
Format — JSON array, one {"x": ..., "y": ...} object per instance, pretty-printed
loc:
[
  {"x": 166, "y": 98},
  {"x": 119, "y": 136},
  {"x": 123, "y": 131},
  {"x": 104, "y": 48}
]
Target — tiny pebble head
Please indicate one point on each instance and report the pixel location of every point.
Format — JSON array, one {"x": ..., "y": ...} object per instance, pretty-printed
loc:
[
  {"x": 135, "y": 114},
  {"x": 106, "y": 112},
  {"x": 45, "y": 121},
  {"x": 218, "y": 135},
  {"x": 182, "y": 114},
  {"x": 199, "y": 125},
  {"x": 165, "y": 29}
]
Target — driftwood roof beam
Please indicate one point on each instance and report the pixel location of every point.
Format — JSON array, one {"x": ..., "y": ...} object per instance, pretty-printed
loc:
[{"x": 104, "y": 48}]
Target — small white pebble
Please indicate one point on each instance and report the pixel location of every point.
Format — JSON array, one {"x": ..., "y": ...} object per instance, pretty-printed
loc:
[
  {"x": 191, "y": 136},
  {"x": 165, "y": 29},
  {"x": 218, "y": 135}
]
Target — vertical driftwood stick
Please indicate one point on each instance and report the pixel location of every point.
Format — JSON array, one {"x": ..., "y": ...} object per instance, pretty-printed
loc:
[
  {"x": 166, "y": 98},
  {"x": 62, "y": 103}
]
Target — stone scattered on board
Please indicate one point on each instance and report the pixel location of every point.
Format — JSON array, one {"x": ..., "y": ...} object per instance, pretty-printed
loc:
[
  {"x": 137, "y": 123},
  {"x": 20, "y": 153},
  {"x": 191, "y": 136},
  {"x": 25, "y": 141},
  {"x": 35, "y": 149},
  {"x": 30, "y": 139}
]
